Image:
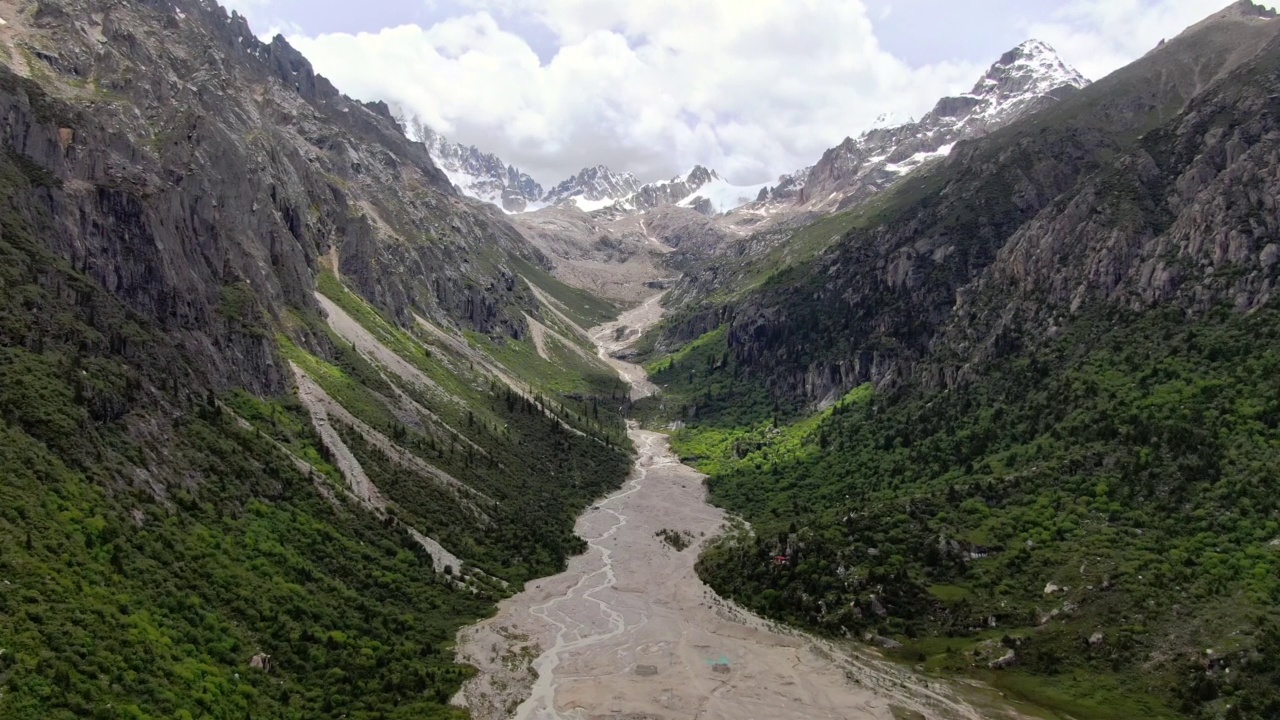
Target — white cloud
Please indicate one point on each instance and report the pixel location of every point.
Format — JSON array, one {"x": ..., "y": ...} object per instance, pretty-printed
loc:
[
  {"x": 753, "y": 88},
  {"x": 1099, "y": 36},
  {"x": 245, "y": 7},
  {"x": 260, "y": 15}
]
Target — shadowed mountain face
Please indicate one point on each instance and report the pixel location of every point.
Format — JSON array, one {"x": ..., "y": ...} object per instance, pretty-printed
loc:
[
  {"x": 273, "y": 422},
  {"x": 216, "y": 161}
]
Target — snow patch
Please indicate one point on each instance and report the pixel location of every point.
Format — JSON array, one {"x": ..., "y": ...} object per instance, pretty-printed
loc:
[
  {"x": 891, "y": 120},
  {"x": 472, "y": 186},
  {"x": 919, "y": 159},
  {"x": 724, "y": 196},
  {"x": 588, "y": 206}
]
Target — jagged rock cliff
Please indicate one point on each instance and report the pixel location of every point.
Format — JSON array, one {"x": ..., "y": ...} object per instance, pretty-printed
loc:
[
  {"x": 592, "y": 188},
  {"x": 479, "y": 174},
  {"x": 188, "y": 157}
]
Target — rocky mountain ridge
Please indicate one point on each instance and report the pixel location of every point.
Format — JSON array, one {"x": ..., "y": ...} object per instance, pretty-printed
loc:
[
  {"x": 1027, "y": 391},
  {"x": 481, "y": 175},
  {"x": 338, "y": 184},
  {"x": 700, "y": 188},
  {"x": 592, "y": 188},
  {"x": 754, "y": 218},
  {"x": 750, "y": 223},
  {"x": 485, "y": 177},
  {"x": 1028, "y": 78},
  {"x": 666, "y": 192},
  {"x": 932, "y": 235}
]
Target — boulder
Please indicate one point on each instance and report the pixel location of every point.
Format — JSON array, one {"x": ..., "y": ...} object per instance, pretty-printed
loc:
[
  {"x": 878, "y": 608},
  {"x": 1007, "y": 660},
  {"x": 886, "y": 642}
]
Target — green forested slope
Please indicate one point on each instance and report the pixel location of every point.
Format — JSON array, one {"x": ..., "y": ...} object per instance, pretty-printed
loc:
[
  {"x": 1066, "y": 478},
  {"x": 1132, "y": 464},
  {"x": 151, "y": 544}
]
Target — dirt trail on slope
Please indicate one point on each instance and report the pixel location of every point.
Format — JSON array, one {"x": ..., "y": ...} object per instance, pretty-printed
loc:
[
  {"x": 349, "y": 329},
  {"x": 630, "y": 632},
  {"x": 319, "y": 405},
  {"x": 540, "y": 333},
  {"x": 460, "y": 347},
  {"x": 553, "y": 306}
]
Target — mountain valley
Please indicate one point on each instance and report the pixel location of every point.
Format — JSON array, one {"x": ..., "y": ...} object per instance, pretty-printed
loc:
[{"x": 307, "y": 411}]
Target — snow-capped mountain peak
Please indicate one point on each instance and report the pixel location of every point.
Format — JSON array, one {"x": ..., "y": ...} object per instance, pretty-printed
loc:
[
  {"x": 593, "y": 188},
  {"x": 1029, "y": 77},
  {"x": 1031, "y": 70},
  {"x": 698, "y": 176},
  {"x": 700, "y": 188},
  {"x": 480, "y": 175}
]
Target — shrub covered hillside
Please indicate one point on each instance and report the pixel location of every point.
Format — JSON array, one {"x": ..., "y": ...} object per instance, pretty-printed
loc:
[
  {"x": 1104, "y": 508},
  {"x": 154, "y": 539},
  {"x": 272, "y": 426},
  {"x": 1048, "y": 451}
]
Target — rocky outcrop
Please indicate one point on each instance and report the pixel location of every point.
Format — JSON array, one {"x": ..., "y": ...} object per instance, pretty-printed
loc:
[
  {"x": 205, "y": 177},
  {"x": 788, "y": 187},
  {"x": 1008, "y": 660},
  {"x": 685, "y": 229}
]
